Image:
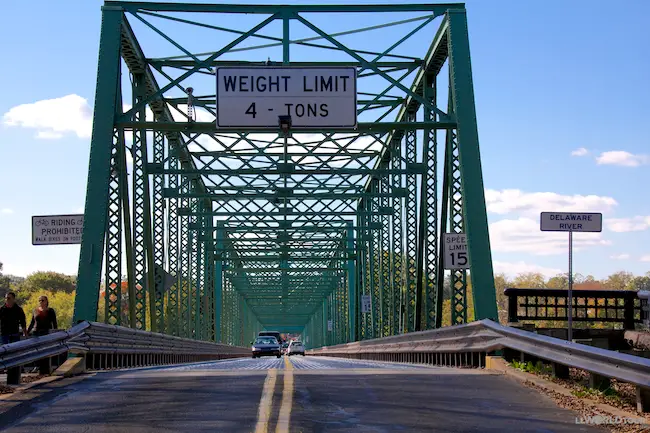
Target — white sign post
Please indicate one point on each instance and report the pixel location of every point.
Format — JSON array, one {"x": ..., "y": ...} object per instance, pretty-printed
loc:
[
  {"x": 589, "y": 222},
  {"x": 455, "y": 251},
  {"x": 313, "y": 97},
  {"x": 365, "y": 303},
  {"x": 57, "y": 229}
]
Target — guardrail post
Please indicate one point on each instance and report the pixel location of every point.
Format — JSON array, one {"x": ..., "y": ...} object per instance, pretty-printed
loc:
[
  {"x": 45, "y": 366},
  {"x": 13, "y": 375},
  {"x": 599, "y": 382},
  {"x": 642, "y": 399},
  {"x": 560, "y": 371}
]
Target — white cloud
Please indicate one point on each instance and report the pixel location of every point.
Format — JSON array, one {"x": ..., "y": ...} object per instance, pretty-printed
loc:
[
  {"x": 49, "y": 135},
  {"x": 531, "y": 204},
  {"x": 580, "y": 152},
  {"x": 622, "y": 158},
  {"x": 645, "y": 258},
  {"x": 622, "y": 225},
  {"x": 515, "y": 268},
  {"x": 6, "y": 211},
  {"x": 620, "y": 257},
  {"x": 52, "y": 118},
  {"x": 523, "y": 236}
]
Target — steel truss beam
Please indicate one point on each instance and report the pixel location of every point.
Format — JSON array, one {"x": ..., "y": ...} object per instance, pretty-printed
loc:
[{"x": 231, "y": 231}]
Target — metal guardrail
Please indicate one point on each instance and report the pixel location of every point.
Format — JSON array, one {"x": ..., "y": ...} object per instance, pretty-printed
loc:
[
  {"x": 467, "y": 345},
  {"x": 103, "y": 338},
  {"x": 109, "y": 346},
  {"x": 36, "y": 348}
]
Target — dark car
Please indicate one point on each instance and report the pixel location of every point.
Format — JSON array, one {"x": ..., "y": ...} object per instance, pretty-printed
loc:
[
  {"x": 275, "y": 334},
  {"x": 266, "y": 346}
]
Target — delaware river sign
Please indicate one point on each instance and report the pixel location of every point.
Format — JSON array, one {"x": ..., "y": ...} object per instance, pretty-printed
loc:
[{"x": 570, "y": 222}]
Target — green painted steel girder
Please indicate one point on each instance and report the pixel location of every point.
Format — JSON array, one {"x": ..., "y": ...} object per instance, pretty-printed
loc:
[
  {"x": 186, "y": 63},
  {"x": 258, "y": 228},
  {"x": 282, "y": 214},
  {"x": 294, "y": 250},
  {"x": 294, "y": 170},
  {"x": 292, "y": 258},
  {"x": 175, "y": 193},
  {"x": 211, "y": 127},
  {"x": 437, "y": 9},
  {"x": 278, "y": 269},
  {"x": 290, "y": 229}
]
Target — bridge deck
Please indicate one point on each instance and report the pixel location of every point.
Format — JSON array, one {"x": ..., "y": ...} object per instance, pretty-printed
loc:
[{"x": 288, "y": 395}]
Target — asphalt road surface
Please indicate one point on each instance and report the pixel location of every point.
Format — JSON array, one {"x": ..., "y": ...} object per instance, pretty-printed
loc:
[{"x": 297, "y": 394}]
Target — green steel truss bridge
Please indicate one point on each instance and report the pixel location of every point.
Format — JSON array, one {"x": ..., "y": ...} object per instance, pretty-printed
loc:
[{"x": 214, "y": 234}]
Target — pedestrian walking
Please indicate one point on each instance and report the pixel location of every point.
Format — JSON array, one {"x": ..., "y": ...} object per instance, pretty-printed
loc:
[
  {"x": 43, "y": 317},
  {"x": 12, "y": 320}
]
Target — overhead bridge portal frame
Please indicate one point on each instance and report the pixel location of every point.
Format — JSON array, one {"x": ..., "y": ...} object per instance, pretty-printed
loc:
[{"x": 214, "y": 234}]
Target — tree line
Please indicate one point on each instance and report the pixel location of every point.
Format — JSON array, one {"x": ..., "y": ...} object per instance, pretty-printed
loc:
[{"x": 60, "y": 289}]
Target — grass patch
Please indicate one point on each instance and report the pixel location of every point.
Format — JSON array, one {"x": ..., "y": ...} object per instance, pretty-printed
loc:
[
  {"x": 609, "y": 394},
  {"x": 529, "y": 367}
]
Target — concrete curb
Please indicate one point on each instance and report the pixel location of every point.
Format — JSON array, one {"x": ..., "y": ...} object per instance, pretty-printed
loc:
[
  {"x": 71, "y": 367},
  {"x": 22, "y": 388},
  {"x": 499, "y": 364}
]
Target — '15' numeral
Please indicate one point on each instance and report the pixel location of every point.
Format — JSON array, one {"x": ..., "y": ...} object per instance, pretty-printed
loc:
[{"x": 462, "y": 259}]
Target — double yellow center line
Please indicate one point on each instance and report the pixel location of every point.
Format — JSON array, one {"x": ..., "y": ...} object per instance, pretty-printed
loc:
[{"x": 266, "y": 402}]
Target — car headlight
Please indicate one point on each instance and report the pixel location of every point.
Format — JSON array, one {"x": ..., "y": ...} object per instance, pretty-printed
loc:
[{"x": 255, "y": 348}]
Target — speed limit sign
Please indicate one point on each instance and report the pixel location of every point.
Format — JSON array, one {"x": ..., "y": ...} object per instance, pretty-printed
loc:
[{"x": 455, "y": 252}]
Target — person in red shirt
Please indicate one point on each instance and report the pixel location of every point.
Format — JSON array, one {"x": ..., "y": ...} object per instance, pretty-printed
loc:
[{"x": 44, "y": 318}]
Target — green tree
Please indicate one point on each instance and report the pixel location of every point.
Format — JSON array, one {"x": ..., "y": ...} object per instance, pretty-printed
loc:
[
  {"x": 446, "y": 312},
  {"x": 560, "y": 281},
  {"x": 529, "y": 280},
  {"x": 62, "y": 303},
  {"x": 619, "y": 280},
  {"x": 446, "y": 304},
  {"x": 589, "y": 279},
  {"x": 47, "y": 280},
  {"x": 501, "y": 283},
  {"x": 639, "y": 283},
  {"x": 5, "y": 282}
]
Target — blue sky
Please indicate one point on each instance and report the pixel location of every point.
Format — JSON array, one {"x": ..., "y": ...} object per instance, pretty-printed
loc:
[{"x": 561, "y": 92}]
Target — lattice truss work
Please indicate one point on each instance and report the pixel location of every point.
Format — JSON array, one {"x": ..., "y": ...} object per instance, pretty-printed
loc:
[{"x": 214, "y": 234}]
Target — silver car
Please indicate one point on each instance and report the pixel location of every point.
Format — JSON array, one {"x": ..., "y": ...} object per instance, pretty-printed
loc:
[{"x": 296, "y": 348}]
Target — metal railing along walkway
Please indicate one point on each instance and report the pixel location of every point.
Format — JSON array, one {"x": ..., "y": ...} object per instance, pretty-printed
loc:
[
  {"x": 109, "y": 346},
  {"x": 468, "y": 345}
]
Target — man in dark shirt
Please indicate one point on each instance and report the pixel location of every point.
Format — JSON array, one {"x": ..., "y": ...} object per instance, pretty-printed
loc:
[{"x": 11, "y": 316}]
